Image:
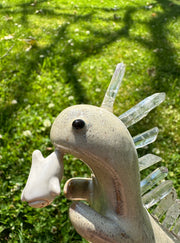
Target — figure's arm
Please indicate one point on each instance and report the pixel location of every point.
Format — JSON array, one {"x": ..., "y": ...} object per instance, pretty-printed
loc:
[
  {"x": 95, "y": 227},
  {"x": 78, "y": 189}
]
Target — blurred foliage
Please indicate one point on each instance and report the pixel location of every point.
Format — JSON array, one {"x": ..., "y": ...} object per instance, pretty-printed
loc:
[{"x": 54, "y": 54}]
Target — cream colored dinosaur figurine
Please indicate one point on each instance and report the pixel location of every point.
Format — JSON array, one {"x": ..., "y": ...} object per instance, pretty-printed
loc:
[{"x": 115, "y": 212}]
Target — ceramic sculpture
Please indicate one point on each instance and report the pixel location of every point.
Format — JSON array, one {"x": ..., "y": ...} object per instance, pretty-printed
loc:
[{"x": 117, "y": 202}]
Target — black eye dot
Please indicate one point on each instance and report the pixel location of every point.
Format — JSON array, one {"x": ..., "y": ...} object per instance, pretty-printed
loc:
[{"x": 78, "y": 124}]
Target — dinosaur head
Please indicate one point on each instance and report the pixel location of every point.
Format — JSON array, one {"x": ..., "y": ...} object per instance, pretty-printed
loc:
[{"x": 89, "y": 132}]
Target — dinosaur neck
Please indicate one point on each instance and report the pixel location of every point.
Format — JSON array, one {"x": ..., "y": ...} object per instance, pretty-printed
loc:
[{"x": 117, "y": 188}]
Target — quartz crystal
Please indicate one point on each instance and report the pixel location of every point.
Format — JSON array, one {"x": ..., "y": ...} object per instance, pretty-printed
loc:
[
  {"x": 157, "y": 194},
  {"x": 113, "y": 88},
  {"x": 153, "y": 178},
  {"x": 148, "y": 160},
  {"x": 176, "y": 228},
  {"x": 145, "y": 138},
  {"x": 172, "y": 215},
  {"x": 141, "y": 110},
  {"x": 165, "y": 204}
]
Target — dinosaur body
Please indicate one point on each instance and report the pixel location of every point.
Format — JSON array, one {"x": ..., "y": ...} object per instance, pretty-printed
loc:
[{"x": 115, "y": 213}]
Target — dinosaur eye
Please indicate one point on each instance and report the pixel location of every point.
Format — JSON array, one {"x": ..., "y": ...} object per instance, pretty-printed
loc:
[{"x": 78, "y": 124}]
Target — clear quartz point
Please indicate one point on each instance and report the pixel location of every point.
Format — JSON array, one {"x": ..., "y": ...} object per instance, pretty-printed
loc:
[
  {"x": 157, "y": 194},
  {"x": 145, "y": 138},
  {"x": 176, "y": 228},
  {"x": 156, "y": 176},
  {"x": 148, "y": 160},
  {"x": 172, "y": 215},
  {"x": 141, "y": 110},
  {"x": 165, "y": 204},
  {"x": 113, "y": 88}
]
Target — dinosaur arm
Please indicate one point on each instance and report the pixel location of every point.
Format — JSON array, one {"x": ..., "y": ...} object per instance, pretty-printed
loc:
[
  {"x": 95, "y": 227},
  {"x": 78, "y": 189}
]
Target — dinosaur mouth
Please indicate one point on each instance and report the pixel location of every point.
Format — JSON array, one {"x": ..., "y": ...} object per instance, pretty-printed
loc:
[
  {"x": 62, "y": 148},
  {"x": 39, "y": 203}
]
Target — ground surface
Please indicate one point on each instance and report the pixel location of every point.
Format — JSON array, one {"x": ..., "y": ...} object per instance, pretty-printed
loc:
[{"x": 54, "y": 54}]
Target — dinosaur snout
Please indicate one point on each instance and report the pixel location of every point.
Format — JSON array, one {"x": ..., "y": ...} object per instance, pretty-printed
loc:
[{"x": 43, "y": 183}]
